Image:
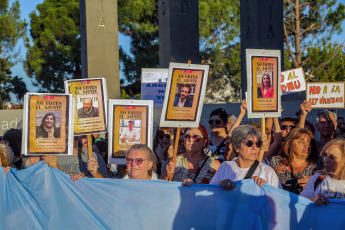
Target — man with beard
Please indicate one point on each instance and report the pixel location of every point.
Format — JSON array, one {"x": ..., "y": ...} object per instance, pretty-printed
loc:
[
  {"x": 183, "y": 100},
  {"x": 88, "y": 110}
]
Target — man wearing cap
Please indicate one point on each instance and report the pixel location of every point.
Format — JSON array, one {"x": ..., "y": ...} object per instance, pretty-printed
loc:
[{"x": 129, "y": 134}]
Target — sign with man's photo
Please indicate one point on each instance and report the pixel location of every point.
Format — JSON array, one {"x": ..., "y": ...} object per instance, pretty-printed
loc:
[
  {"x": 47, "y": 126},
  {"x": 90, "y": 107},
  {"x": 184, "y": 95},
  {"x": 130, "y": 122}
]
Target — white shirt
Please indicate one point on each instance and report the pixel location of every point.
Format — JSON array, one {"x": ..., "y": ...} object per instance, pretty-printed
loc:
[
  {"x": 329, "y": 187},
  {"x": 230, "y": 170},
  {"x": 130, "y": 134},
  {"x": 180, "y": 103}
]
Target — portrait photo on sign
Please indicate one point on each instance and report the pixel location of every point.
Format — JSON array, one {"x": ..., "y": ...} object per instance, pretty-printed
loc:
[
  {"x": 265, "y": 84},
  {"x": 130, "y": 131},
  {"x": 49, "y": 124},
  {"x": 87, "y": 107},
  {"x": 184, "y": 95}
]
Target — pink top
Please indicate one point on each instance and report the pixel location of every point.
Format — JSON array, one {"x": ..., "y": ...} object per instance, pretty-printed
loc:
[{"x": 269, "y": 93}]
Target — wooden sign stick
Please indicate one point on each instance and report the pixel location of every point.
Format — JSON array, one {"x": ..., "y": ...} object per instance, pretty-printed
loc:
[
  {"x": 175, "y": 149},
  {"x": 263, "y": 128},
  {"x": 89, "y": 146}
]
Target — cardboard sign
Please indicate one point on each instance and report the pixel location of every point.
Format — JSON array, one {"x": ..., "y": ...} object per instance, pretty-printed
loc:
[
  {"x": 263, "y": 88},
  {"x": 130, "y": 122},
  {"x": 153, "y": 84},
  {"x": 184, "y": 95},
  {"x": 326, "y": 94},
  {"x": 90, "y": 108},
  {"x": 47, "y": 126},
  {"x": 292, "y": 81}
]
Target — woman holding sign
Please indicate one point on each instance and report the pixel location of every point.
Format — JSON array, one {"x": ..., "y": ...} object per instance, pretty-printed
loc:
[
  {"x": 48, "y": 128},
  {"x": 194, "y": 164},
  {"x": 267, "y": 91}
]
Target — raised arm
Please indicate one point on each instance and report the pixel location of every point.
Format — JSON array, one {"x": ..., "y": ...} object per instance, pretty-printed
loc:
[{"x": 305, "y": 109}]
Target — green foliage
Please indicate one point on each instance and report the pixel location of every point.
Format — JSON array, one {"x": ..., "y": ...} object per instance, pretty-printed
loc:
[
  {"x": 333, "y": 58},
  {"x": 139, "y": 20},
  {"x": 55, "y": 52},
  {"x": 12, "y": 28},
  {"x": 309, "y": 26}
]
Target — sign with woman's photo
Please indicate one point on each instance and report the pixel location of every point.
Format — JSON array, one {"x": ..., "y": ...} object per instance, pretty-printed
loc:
[
  {"x": 130, "y": 122},
  {"x": 263, "y": 83},
  {"x": 90, "y": 98},
  {"x": 184, "y": 95},
  {"x": 47, "y": 125}
]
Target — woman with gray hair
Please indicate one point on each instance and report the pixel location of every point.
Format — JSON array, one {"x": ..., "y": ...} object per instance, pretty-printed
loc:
[
  {"x": 246, "y": 142},
  {"x": 141, "y": 164}
]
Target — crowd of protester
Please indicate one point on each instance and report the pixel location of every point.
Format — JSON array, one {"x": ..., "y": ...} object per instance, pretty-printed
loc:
[{"x": 284, "y": 155}]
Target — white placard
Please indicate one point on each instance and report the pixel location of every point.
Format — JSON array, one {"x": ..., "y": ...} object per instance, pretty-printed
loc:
[
  {"x": 326, "y": 94},
  {"x": 293, "y": 81}
]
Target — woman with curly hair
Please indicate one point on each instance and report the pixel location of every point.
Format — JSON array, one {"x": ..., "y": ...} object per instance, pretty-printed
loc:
[
  {"x": 298, "y": 161},
  {"x": 4, "y": 161}
]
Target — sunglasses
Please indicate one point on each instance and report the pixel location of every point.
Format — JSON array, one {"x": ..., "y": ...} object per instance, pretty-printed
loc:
[
  {"x": 250, "y": 143},
  {"x": 196, "y": 138},
  {"x": 283, "y": 127},
  {"x": 161, "y": 136},
  {"x": 138, "y": 161},
  {"x": 217, "y": 121}
]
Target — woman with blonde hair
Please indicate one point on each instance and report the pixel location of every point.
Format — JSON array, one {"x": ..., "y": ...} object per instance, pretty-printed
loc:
[
  {"x": 4, "y": 161},
  {"x": 328, "y": 183}
]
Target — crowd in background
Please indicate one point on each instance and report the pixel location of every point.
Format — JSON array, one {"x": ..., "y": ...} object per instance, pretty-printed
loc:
[{"x": 285, "y": 154}]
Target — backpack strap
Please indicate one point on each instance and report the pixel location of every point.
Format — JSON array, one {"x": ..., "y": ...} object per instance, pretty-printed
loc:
[{"x": 252, "y": 170}]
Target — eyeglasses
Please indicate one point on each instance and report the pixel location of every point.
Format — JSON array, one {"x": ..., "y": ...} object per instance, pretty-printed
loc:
[
  {"x": 196, "y": 138},
  {"x": 161, "y": 136},
  {"x": 250, "y": 143},
  {"x": 217, "y": 121},
  {"x": 283, "y": 127},
  {"x": 138, "y": 161}
]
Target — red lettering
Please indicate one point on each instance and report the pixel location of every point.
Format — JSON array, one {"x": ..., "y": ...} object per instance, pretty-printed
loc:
[
  {"x": 283, "y": 88},
  {"x": 297, "y": 84},
  {"x": 290, "y": 86}
]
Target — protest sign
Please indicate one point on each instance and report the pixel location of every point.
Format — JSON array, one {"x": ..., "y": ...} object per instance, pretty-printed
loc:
[
  {"x": 326, "y": 94},
  {"x": 184, "y": 95},
  {"x": 90, "y": 108},
  {"x": 263, "y": 88},
  {"x": 130, "y": 122},
  {"x": 292, "y": 81},
  {"x": 153, "y": 84},
  {"x": 47, "y": 126}
]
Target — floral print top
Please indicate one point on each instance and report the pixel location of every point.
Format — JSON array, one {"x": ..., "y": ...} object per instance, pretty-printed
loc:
[
  {"x": 288, "y": 180},
  {"x": 205, "y": 175}
]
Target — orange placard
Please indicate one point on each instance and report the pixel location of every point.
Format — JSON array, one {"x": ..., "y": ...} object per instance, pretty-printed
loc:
[
  {"x": 89, "y": 116},
  {"x": 129, "y": 128},
  {"x": 184, "y": 94},
  {"x": 48, "y": 124},
  {"x": 264, "y": 84}
]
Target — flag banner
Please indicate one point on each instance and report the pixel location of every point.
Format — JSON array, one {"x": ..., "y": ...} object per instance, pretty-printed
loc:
[{"x": 40, "y": 197}]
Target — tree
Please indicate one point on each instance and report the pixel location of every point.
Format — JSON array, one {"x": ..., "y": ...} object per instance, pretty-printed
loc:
[
  {"x": 12, "y": 28},
  {"x": 308, "y": 28},
  {"x": 139, "y": 20},
  {"x": 55, "y": 52}
]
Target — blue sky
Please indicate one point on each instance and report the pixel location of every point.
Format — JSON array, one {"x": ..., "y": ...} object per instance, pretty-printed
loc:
[{"x": 27, "y": 6}]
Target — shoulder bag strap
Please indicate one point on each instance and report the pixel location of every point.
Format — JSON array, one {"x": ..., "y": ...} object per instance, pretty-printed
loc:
[
  {"x": 252, "y": 170},
  {"x": 318, "y": 182},
  {"x": 215, "y": 153},
  {"x": 197, "y": 173}
]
